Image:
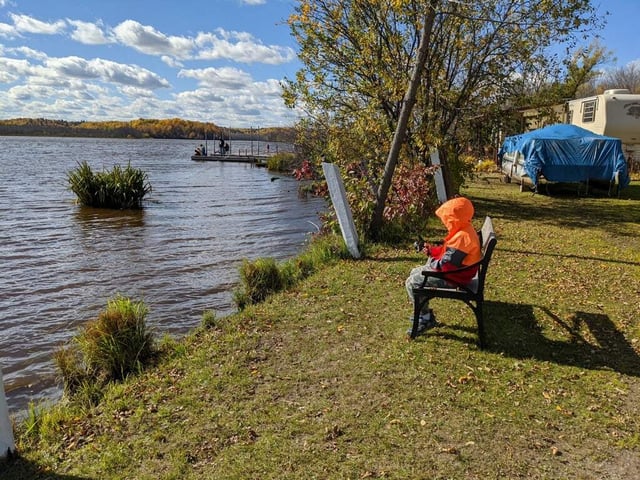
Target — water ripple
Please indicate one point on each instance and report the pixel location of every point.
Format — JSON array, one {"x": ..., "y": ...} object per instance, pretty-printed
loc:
[{"x": 60, "y": 263}]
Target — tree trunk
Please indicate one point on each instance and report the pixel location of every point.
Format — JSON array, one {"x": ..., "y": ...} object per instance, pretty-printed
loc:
[
  {"x": 446, "y": 173},
  {"x": 401, "y": 128}
]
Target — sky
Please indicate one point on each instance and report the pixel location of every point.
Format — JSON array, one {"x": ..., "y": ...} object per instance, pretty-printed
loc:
[{"x": 218, "y": 61}]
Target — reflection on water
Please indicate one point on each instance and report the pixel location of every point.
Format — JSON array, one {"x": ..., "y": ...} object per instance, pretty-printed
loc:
[
  {"x": 60, "y": 262},
  {"x": 91, "y": 218}
]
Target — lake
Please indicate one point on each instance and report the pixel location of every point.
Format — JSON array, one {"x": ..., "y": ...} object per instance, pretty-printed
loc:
[{"x": 61, "y": 262}]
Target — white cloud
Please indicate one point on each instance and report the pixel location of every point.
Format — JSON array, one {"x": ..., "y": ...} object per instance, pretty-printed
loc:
[
  {"x": 31, "y": 92},
  {"x": 136, "y": 92},
  {"x": 197, "y": 98},
  {"x": 107, "y": 71},
  {"x": 6, "y": 76},
  {"x": 15, "y": 68},
  {"x": 7, "y": 31},
  {"x": 241, "y": 47},
  {"x": 25, "y": 23},
  {"x": 130, "y": 75},
  {"x": 27, "y": 52},
  {"x": 88, "y": 33},
  {"x": 148, "y": 40},
  {"x": 172, "y": 62},
  {"x": 78, "y": 87},
  {"x": 74, "y": 67},
  {"x": 226, "y": 78}
]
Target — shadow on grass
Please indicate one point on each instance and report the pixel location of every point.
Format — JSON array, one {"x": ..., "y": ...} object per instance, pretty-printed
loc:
[
  {"x": 602, "y": 213},
  {"x": 512, "y": 330},
  {"x": 18, "y": 468},
  {"x": 570, "y": 255}
]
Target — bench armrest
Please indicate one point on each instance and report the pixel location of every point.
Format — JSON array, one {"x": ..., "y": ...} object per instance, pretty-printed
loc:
[{"x": 445, "y": 274}]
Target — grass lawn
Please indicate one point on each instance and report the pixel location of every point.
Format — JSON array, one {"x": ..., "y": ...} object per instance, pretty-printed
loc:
[{"x": 321, "y": 381}]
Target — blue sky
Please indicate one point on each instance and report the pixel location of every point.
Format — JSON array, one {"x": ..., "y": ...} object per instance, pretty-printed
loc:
[
  {"x": 216, "y": 61},
  {"x": 620, "y": 35}
]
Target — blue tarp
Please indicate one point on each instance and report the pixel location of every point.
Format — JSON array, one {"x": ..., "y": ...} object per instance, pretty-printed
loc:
[{"x": 566, "y": 153}]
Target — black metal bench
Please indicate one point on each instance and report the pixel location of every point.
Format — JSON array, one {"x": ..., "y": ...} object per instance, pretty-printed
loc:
[{"x": 472, "y": 294}]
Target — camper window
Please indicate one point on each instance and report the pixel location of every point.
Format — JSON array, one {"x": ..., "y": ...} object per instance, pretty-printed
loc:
[{"x": 588, "y": 111}]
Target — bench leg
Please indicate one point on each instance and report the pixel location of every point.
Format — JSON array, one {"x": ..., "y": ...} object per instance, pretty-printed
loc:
[
  {"x": 418, "y": 303},
  {"x": 416, "y": 318}
]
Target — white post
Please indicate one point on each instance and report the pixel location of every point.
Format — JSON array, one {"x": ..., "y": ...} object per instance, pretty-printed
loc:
[
  {"x": 341, "y": 206},
  {"x": 6, "y": 430},
  {"x": 440, "y": 188}
]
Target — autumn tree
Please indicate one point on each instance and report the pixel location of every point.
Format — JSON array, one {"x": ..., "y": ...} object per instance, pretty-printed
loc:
[{"x": 361, "y": 62}]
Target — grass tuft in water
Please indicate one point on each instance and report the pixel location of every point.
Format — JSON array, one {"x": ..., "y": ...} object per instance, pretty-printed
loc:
[{"x": 120, "y": 188}]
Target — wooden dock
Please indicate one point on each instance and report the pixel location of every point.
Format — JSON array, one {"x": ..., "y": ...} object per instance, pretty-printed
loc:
[{"x": 257, "y": 160}]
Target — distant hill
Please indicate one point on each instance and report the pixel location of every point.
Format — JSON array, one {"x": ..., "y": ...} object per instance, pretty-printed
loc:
[{"x": 141, "y": 128}]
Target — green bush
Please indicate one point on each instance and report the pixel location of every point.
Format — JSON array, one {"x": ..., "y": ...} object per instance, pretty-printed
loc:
[
  {"x": 264, "y": 276},
  {"x": 487, "y": 166},
  {"x": 260, "y": 279},
  {"x": 282, "y": 162},
  {"x": 208, "y": 319},
  {"x": 119, "y": 188},
  {"x": 108, "y": 348}
]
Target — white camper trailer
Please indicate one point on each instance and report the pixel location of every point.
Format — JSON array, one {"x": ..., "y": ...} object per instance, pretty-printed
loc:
[{"x": 615, "y": 113}]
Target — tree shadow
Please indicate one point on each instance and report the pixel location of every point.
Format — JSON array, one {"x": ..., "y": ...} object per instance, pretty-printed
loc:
[
  {"x": 587, "y": 258},
  {"x": 590, "y": 340},
  {"x": 605, "y": 214},
  {"x": 16, "y": 467}
]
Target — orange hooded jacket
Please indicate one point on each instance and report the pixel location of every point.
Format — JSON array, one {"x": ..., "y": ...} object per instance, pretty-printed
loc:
[{"x": 461, "y": 246}]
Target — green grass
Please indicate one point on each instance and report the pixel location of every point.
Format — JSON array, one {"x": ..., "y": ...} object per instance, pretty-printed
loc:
[
  {"x": 118, "y": 188},
  {"x": 264, "y": 277},
  {"x": 106, "y": 349},
  {"x": 282, "y": 162},
  {"x": 319, "y": 381}
]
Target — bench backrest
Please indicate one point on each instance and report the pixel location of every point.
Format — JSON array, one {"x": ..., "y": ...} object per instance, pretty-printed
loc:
[{"x": 488, "y": 240}]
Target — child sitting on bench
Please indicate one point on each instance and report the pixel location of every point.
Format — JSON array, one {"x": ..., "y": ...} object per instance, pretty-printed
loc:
[{"x": 460, "y": 248}]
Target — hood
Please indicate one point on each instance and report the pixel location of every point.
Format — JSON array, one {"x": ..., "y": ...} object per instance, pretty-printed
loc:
[{"x": 455, "y": 213}]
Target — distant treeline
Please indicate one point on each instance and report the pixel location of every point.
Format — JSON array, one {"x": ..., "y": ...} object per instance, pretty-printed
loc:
[{"x": 141, "y": 128}]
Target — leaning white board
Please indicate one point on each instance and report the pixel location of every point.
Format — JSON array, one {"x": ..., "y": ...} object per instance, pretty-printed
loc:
[
  {"x": 341, "y": 206},
  {"x": 6, "y": 430},
  {"x": 441, "y": 191}
]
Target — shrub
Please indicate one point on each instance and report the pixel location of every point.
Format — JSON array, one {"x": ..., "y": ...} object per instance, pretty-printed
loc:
[
  {"x": 117, "y": 342},
  {"x": 264, "y": 276},
  {"x": 487, "y": 165},
  {"x": 119, "y": 188},
  {"x": 108, "y": 348},
  {"x": 282, "y": 162},
  {"x": 208, "y": 319},
  {"x": 68, "y": 360},
  {"x": 260, "y": 279}
]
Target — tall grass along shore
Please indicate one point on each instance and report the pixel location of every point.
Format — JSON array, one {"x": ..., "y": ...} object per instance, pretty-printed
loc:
[{"x": 320, "y": 381}]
